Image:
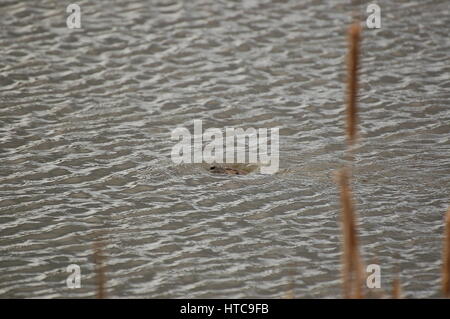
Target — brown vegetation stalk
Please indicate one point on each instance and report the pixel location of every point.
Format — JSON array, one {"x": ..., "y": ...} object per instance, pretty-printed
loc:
[
  {"x": 352, "y": 275},
  {"x": 446, "y": 258},
  {"x": 99, "y": 270},
  {"x": 352, "y": 81},
  {"x": 396, "y": 289}
]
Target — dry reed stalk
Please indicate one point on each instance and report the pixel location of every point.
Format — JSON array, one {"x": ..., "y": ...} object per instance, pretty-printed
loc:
[
  {"x": 396, "y": 289},
  {"x": 99, "y": 270},
  {"x": 352, "y": 270},
  {"x": 289, "y": 294},
  {"x": 352, "y": 81},
  {"x": 446, "y": 258}
]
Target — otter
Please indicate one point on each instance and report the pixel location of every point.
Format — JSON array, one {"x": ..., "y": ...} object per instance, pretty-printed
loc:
[{"x": 226, "y": 170}]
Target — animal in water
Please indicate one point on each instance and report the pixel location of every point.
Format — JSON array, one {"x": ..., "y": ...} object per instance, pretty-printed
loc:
[{"x": 226, "y": 170}]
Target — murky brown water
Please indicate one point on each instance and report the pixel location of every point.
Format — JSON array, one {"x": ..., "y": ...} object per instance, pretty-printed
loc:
[{"x": 85, "y": 123}]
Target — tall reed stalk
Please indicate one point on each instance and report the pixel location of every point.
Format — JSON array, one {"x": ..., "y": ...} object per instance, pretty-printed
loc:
[
  {"x": 354, "y": 34},
  {"x": 352, "y": 270},
  {"x": 446, "y": 258},
  {"x": 99, "y": 270}
]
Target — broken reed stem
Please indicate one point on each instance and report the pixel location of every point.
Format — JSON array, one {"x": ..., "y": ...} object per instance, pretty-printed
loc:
[
  {"x": 289, "y": 294},
  {"x": 396, "y": 289},
  {"x": 352, "y": 81},
  {"x": 446, "y": 258},
  {"x": 352, "y": 274},
  {"x": 99, "y": 270}
]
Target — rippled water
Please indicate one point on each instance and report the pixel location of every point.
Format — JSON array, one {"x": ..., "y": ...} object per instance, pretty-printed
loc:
[{"x": 85, "y": 123}]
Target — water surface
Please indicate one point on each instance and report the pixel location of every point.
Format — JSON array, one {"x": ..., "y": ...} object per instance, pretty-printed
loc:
[{"x": 85, "y": 123}]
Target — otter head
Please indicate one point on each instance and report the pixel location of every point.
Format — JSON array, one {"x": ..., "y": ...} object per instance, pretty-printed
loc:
[{"x": 216, "y": 169}]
